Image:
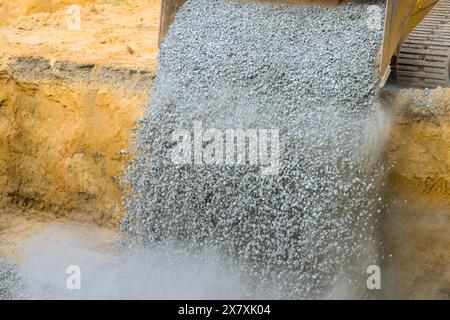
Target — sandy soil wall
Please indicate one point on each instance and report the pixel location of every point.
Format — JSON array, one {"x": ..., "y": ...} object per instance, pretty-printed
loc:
[
  {"x": 64, "y": 133},
  {"x": 416, "y": 230},
  {"x": 69, "y": 100}
]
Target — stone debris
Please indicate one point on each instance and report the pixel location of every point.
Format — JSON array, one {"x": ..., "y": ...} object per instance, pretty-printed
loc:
[
  {"x": 10, "y": 281},
  {"x": 309, "y": 72}
]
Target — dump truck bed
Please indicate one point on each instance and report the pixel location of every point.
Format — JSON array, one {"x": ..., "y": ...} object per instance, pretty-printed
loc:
[{"x": 401, "y": 17}]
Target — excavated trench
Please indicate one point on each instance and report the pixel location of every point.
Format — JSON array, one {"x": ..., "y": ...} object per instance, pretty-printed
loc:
[
  {"x": 55, "y": 158},
  {"x": 64, "y": 136},
  {"x": 40, "y": 152},
  {"x": 65, "y": 130}
]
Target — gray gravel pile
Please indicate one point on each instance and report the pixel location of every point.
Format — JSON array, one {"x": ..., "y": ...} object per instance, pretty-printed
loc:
[
  {"x": 309, "y": 72},
  {"x": 10, "y": 281}
]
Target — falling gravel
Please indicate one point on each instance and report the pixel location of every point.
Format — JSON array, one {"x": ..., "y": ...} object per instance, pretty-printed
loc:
[
  {"x": 10, "y": 280},
  {"x": 307, "y": 73}
]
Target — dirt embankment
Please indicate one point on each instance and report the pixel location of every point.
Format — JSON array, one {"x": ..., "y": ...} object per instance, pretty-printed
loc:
[
  {"x": 420, "y": 144},
  {"x": 69, "y": 100},
  {"x": 65, "y": 130},
  {"x": 416, "y": 234}
]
